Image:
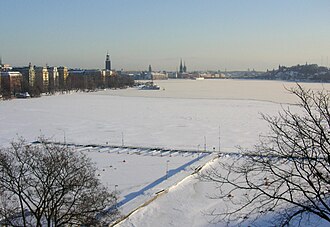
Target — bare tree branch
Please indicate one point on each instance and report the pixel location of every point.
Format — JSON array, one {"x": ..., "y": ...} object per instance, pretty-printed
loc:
[
  {"x": 288, "y": 173},
  {"x": 50, "y": 184}
]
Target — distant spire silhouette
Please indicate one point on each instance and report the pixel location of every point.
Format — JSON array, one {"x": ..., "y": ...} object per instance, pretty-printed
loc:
[
  {"x": 181, "y": 66},
  {"x": 107, "y": 62}
]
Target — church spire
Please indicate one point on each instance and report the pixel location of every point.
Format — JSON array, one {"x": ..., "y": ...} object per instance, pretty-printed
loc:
[
  {"x": 184, "y": 67},
  {"x": 181, "y": 66}
]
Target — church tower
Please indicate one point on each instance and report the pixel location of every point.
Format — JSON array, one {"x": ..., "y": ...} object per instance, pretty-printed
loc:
[
  {"x": 181, "y": 67},
  {"x": 184, "y": 67},
  {"x": 107, "y": 63}
]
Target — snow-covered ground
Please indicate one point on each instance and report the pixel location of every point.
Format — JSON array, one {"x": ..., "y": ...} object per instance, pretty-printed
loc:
[
  {"x": 138, "y": 176},
  {"x": 183, "y": 115}
]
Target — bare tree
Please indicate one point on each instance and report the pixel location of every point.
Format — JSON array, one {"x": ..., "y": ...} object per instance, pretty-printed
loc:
[
  {"x": 51, "y": 185},
  {"x": 287, "y": 177}
]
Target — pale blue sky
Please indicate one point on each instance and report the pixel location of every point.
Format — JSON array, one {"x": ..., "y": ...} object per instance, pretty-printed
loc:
[{"x": 207, "y": 34}]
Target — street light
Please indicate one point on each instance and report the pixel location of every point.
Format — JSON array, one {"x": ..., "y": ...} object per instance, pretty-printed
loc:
[{"x": 116, "y": 185}]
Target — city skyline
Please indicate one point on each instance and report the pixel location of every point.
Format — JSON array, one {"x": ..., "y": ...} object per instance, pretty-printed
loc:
[{"x": 209, "y": 35}]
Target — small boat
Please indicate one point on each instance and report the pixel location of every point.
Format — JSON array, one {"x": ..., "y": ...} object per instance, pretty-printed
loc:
[
  {"x": 199, "y": 78},
  {"x": 23, "y": 95},
  {"x": 150, "y": 86}
]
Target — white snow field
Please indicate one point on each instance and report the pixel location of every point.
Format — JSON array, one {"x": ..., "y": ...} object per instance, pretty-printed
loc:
[{"x": 184, "y": 115}]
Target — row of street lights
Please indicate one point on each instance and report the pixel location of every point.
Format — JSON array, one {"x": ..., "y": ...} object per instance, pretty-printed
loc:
[{"x": 219, "y": 145}]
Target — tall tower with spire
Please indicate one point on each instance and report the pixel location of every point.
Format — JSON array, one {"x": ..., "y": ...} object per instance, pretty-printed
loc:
[
  {"x": 181, "y": 67},
  {"x": 107, "y": 62}
]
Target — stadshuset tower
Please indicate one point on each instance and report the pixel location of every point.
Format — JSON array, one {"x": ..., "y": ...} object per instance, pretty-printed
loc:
[{"x": 107, "y": 63}]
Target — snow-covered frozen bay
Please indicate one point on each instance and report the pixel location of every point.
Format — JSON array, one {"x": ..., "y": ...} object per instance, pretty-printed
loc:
[{"x": 107, "y": 116}]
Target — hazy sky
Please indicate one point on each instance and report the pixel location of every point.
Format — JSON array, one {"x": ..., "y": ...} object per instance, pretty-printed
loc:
[{"x": 207, "y": 34}]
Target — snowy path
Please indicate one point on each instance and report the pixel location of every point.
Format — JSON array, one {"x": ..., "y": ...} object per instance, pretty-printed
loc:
[{"x": 170, "y": 173}]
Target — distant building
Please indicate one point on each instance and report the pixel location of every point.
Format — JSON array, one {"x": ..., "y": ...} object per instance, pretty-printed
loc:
[
  {"x": 5, "y": 67},
  {"x": 42, "y": 79},
  {"x": 107, "y": 62},
  {"x": 106, "y": 73},
  {"x": 28, "y": 74},
  {"x": 63, "y": 74},
  {"x": 150, "y": 75},
  {"x": 172, "y": 75},
  {"x": 53, "y": 79},
  {"x": 11, "y": 82},
  {"x": 209, "y": 75},
  {"x": 32, "y": 75},
  {"x": 159, "y": 76}
]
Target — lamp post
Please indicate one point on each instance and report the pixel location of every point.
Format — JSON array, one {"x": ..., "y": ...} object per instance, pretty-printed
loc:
[
  {"x": 219, "y": 139},
  {"x": 116, "y": 185}
]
